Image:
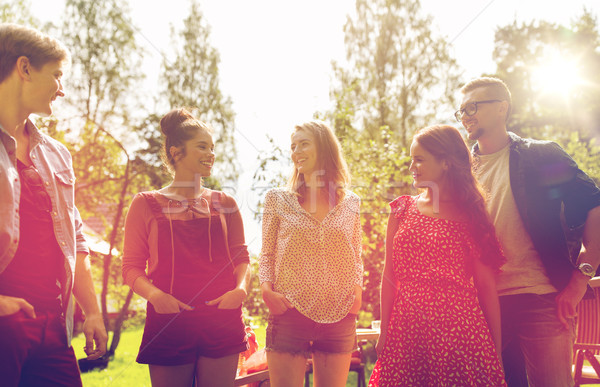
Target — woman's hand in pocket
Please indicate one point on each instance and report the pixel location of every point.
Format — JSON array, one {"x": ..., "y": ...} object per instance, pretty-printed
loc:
[
  {"x": 276, "y": 302},
  {"x": 231, "y": 300},
  {"x": 165, "y": 303}
]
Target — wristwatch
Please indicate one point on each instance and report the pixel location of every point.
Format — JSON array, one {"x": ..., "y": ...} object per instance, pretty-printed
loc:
[{"x": 587, "y": 269}]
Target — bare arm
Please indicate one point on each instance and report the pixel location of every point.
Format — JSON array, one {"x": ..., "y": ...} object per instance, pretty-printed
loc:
[
  {"x": 388, "y": 283},
  {"x": 93, "y": 326},
  {"x": 568, "y": 299},
  {"x": 485, "y": 282}
]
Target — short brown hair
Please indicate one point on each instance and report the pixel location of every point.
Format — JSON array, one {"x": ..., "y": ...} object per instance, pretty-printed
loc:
[
  {"x": 495, "y": 87},
  {"x": 17, "y": 40}
]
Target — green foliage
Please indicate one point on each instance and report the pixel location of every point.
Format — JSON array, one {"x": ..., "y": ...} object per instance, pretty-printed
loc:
[
  {"x": 271, "y": 172},
  {"x": 105, "y": 72},
  {"x": 379, "y": 171},
  {"x": 106, "y": 60},
  {"x": 570, "y": 116},
  {"x": 17, "y": 11},
  {"x": 255, "y": 311},
  {"x": 148, "y": 159},
  {"x": 192, "y": 80},
  {"x": 522, "y": 49},
  {"x": 399, "y": 74}
]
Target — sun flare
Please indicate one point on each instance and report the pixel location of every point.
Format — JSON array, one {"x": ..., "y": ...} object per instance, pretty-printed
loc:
[{"x": 556, "y": 74}]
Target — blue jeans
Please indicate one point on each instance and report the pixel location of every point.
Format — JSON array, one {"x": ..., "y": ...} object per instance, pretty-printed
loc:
[{"x": 537, "y": 350}]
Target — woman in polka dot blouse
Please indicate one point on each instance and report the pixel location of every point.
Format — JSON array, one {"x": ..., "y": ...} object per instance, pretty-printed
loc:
[{"x": 310, "y": 264}]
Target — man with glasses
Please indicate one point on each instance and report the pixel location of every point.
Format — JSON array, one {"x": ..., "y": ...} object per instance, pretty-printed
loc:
[
  {"x": 532, "y": 185},
  {"x": 43, "y": 254}
]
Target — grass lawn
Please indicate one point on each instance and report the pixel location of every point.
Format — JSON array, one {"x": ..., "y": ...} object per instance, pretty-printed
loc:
[{"x": 124, "y": 371}]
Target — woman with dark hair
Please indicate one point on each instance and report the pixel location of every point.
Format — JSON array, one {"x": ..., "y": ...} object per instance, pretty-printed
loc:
[
  {"x": 439, "y": 327},
  {"x": 310, "y": 264},
  {"x": 192, "y": 240}
]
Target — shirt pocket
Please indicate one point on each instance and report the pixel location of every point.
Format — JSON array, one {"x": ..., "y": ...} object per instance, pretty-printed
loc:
[{"x": 65, "y": 185}]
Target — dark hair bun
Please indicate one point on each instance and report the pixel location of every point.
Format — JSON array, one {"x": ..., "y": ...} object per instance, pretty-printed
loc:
[{"x": 173, "y": 119}]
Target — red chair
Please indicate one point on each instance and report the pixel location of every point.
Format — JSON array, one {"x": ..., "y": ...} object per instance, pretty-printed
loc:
[{"x": 587, "y": 341}]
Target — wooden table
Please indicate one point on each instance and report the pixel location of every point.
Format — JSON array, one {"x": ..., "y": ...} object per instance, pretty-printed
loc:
[{"x": 367, "y": 334}]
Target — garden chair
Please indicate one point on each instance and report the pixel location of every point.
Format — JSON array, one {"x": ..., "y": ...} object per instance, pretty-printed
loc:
[{"x": 587, "y": 341}]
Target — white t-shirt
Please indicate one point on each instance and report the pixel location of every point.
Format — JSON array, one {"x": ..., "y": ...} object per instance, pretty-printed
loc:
[{"x": 523, "y": 272}]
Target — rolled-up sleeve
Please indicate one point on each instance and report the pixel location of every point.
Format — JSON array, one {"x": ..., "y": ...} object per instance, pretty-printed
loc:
[
  {"x": 136, "y": 251},
  {"x": 270, "y": 229},
  {"x": 81, "y": 245}
]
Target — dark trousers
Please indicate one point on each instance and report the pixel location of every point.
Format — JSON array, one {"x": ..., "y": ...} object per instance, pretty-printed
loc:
[
  {"x": 537, "y": 350},
  {"x": 34, "y": 352}
]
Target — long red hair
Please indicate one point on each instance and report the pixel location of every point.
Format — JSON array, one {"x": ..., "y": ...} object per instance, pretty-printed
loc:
[{"x": 445, "y": 143}]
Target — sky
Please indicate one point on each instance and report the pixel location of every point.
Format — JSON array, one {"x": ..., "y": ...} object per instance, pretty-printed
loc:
[{"x": 276, "y": 57}]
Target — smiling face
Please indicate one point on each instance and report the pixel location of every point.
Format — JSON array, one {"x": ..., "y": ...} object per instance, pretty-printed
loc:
[
  {"x": 425, "y": 167},
  {"x": 304, "y": 152},
  {"x": 43, "y": 87},
  {"x": 489, "y": 117},
  {"x": 197, "y": 157}
]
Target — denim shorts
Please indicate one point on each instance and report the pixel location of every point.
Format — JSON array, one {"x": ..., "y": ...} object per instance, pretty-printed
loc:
[{"x": 294, "y": 333}]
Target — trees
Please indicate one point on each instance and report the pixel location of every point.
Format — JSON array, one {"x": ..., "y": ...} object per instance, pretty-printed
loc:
[
  {"x": 399, "y": 73},
  {"x": 192, "y": 80},
  {"x": 551, "y": 71},
  {"x": 105, "y": 72},
  {"x": 17, "y": 11}
]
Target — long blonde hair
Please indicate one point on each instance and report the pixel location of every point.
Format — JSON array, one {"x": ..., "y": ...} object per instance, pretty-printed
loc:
[{"x": 330, "y": 160}]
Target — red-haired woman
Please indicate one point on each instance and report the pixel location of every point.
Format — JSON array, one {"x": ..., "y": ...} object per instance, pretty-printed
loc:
[
  {"x": 310, "y": 264},
  {"x": 191, "y": 238},
  {"x": 439, "y": 328}
]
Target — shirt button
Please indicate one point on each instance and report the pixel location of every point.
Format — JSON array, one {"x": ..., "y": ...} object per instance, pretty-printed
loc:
[
  {"x": 33, "y": 157},
  {"x": 47, "y": 183},
  {"x": 54, "y": 213},
  {"x": 63, "y": 243}
]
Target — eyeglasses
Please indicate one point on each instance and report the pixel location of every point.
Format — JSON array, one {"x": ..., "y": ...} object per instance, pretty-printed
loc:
[
  {"x": 471, "y": 108},
  {"x": 33, "y": 181}
]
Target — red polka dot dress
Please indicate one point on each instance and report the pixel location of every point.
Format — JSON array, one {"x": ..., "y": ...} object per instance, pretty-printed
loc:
[{"x": 437, "y": 335}]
